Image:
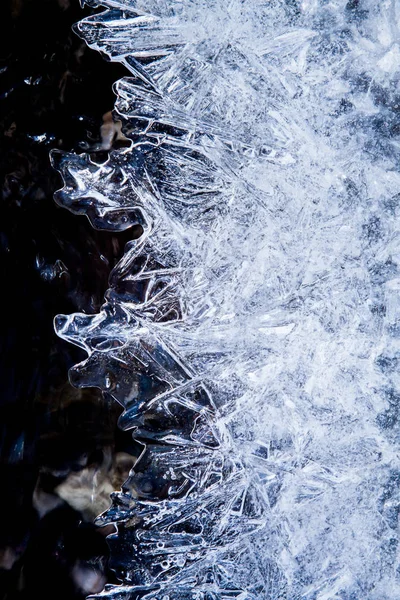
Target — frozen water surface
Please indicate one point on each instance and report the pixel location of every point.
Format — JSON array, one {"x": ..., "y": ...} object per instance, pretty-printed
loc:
[{"x": 251, "y": 333}]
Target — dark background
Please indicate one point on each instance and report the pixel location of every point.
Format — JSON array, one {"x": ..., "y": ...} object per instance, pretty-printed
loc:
[{"x": 54, "y": 93}]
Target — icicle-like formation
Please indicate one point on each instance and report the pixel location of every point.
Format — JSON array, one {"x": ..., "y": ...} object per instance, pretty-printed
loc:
[{"x": 252, "y": 332}]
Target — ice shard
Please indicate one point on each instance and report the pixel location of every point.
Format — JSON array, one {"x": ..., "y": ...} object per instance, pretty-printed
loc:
[{"x": 251, "y": 333}]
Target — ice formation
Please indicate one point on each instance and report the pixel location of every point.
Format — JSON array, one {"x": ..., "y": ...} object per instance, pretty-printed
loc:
[{"x": 252, "y": 332}]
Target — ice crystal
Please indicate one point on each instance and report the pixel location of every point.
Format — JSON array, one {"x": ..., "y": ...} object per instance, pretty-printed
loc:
[{"x": 251, "y": 333}]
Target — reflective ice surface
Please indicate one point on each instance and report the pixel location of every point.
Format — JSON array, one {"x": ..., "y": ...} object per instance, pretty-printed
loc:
[{"x": 251, "y": 333}]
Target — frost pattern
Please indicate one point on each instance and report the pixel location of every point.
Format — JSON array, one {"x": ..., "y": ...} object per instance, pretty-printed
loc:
[{"x": 252, "y": 332}]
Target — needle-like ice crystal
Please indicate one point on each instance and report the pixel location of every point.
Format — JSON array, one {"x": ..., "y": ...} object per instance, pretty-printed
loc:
[{"x": 251, "y": 333}]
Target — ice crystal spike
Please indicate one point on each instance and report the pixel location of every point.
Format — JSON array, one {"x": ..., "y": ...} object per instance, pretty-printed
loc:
[{"x": 251, "y": 334}]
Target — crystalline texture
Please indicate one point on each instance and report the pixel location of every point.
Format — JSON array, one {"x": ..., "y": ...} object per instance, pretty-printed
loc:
[{"x": 251, "y": 333}]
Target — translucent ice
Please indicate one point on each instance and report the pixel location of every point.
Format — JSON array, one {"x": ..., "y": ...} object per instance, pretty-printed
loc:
[{"x": 252, "y": 333}]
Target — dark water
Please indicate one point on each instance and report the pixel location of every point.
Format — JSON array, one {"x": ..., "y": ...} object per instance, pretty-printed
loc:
[{"x": 54, "y": 92}]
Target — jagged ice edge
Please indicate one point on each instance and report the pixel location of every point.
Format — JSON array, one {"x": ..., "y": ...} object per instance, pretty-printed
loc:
[{"x": 285, "y": 301}]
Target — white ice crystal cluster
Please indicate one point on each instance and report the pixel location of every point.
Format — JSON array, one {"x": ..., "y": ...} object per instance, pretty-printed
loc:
[{"x": 252, "y": 332}]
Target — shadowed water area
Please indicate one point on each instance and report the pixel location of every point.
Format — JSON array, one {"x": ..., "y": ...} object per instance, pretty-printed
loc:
[{"x": 61, "y": 452}]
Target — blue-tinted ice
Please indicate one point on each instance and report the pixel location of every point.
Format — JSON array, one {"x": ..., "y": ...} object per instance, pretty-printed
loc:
[{"x": 251, "y": 333}]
